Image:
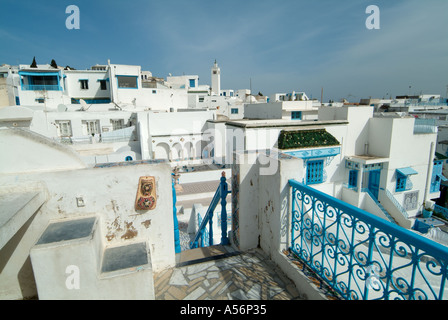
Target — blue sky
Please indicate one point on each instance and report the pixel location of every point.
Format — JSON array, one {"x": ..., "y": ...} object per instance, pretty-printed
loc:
[{"x": 278, "y": 45}]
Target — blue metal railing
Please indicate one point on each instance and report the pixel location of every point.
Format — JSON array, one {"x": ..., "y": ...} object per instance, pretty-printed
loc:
[
  {"x": 441, "y": 210},
  {"x": 43, "y": 87},
  {"x": 220, "y": 195},
  {"x": 177, "y": 246},
  {"x": 204, "y": 238},
  {"x": 362, "y": 256},
  {"x": 425, "y": 126}
]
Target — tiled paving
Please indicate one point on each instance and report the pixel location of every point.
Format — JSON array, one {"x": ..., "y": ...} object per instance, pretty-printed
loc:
[
  {"x": 238, "y": 276},
  {"x": 245, "y": 276}
]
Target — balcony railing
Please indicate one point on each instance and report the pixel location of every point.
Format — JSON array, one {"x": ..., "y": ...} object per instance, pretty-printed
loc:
[
  {"x": 362, "y": 256},
  {"x": 425, "y": 126},
  {"x": 46, "y": 87},
  {"x": 220, "y": 195}
]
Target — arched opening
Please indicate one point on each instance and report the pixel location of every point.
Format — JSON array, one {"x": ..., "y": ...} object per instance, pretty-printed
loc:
[
  {"x": 176, "y": 151},
  {"x": 162, "y": 151}
]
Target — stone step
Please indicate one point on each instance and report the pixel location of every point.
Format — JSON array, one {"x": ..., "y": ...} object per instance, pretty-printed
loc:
[
  {"x": 16, "y": 209},
  {"x": 200, "y": 255},
  {"x": 68, "y": 230},
  {"x": 126, "y": 258},
  {"x": 110, "y": 273}
]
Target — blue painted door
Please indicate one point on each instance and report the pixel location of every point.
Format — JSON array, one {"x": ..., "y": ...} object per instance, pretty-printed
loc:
[{"x": 374, "y": 182}]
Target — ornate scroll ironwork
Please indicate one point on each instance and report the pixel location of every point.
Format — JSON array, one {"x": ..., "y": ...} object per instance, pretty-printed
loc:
[{"x": 362, "y": 256}]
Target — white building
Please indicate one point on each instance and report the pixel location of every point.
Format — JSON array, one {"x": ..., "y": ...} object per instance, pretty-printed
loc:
[
  {"x": 120, "y": 84},
  {"x": 292, "y": 106},
  {"x": 352, "y": 155}
]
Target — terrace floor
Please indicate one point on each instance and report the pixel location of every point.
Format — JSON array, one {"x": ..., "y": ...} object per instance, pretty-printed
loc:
[{"x": 224, "y": 274}]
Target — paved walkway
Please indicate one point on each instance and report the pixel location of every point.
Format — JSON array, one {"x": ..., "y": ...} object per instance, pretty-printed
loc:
[
  {"x": 238, "y": 276},
  {"x": 241, "y": 276}
]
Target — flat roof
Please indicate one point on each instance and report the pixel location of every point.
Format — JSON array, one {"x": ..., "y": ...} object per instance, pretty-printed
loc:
[
  {"x": 293, "y": 124},
  {"x": 367, "y": 159}
]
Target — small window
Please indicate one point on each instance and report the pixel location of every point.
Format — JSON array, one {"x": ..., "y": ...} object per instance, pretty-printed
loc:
[
  {"x": 40, "y": 100},
  {"x": 91, "y": 127},
  {"x": 234, "y": 111},
  {"x": 84, "y": 84},
  {"x": 64, "y": 128},
  {"x": 314, "y": 171},
  {"x": 154, "y": 91},
  {"x": 192, "y": 83},
  {"x": 296, "y": 115},
  {"x": 401, "y": 182},
  {"x": 353, "y": 179},
  {"x": 117, "y": 124},
  {"x": 103, "y": 85}
]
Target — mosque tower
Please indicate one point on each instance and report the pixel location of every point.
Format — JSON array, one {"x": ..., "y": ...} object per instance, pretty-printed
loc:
[{"x": 216, "y": 79}]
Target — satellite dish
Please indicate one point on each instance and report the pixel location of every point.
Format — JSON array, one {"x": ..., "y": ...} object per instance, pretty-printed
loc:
[
  {"x": 62, "y": 108},
  {"x": 83, "y": 104}
]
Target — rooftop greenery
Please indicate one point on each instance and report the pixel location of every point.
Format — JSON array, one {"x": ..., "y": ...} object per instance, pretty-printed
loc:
[{"x": 306, "y": 139}]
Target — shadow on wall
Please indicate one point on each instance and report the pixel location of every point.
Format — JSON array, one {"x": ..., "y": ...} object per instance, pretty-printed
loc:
[{"x": 25, "y": 275}]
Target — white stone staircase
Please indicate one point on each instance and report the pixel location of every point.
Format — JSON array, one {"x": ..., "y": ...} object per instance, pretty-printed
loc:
[{"x": 70, "y": 262}]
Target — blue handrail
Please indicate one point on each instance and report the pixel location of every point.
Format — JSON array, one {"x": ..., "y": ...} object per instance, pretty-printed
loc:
[
  {"x": 220, "y": 195},
  {"x": 395, "y": 202},
  {"x": 362, "y": 256},
  {"x": 177, "y": 246},
  {"x": 386, "y": 213}
]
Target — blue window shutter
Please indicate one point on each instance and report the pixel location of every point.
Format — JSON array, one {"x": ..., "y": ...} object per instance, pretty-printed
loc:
[
  {"x": 353, "y": 178},
  {"x": 401, "y": 182},
  {"x": 314, "y": 171}
]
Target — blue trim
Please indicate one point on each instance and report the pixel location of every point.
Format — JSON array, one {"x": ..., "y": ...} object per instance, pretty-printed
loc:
[
  {"x": 26, "y": 73},
  {"x": 407, "y": 171},
  {"x": 315, "y": 153}
]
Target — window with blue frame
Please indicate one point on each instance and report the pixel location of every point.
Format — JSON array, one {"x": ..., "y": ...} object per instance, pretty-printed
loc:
[
  {"x": 403, "y": 179},
  {"x": 353, "y": 179},
  {"x": 296, "y": 115},
  {"x": 192, "y": 83},
  {"x": 401, "y": 182},
  {"x": 234, "y": 110},
  {"x": 437, "y": 176},
  {"x": 314, "y": 171}
]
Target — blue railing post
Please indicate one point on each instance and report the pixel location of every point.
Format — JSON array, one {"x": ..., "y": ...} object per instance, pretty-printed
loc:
[
  {"x": 224, "y": 192},
  {"x": 176, "y": 222}
]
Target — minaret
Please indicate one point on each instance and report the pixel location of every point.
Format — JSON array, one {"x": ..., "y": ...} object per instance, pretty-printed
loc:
[{"x": 216, "y": 79}]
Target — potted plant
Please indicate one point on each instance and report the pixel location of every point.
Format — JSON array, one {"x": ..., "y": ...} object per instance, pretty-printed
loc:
[{"x": 427, "y": 212}]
